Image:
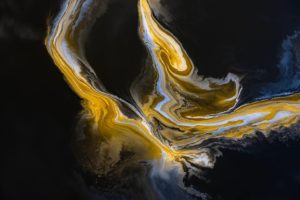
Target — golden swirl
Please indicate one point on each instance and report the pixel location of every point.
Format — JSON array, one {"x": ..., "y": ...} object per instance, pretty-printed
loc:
[{"x": 177, "y": 109}]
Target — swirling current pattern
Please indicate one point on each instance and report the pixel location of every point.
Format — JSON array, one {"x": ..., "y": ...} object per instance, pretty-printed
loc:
[{"x": 175, "y": 109}]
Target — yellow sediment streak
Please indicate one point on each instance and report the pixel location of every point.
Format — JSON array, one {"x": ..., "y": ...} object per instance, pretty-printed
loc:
[{"x": 188, "y": 107}]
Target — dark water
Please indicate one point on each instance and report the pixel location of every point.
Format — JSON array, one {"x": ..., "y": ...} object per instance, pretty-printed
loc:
[{"x": 38, "y": 110}]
